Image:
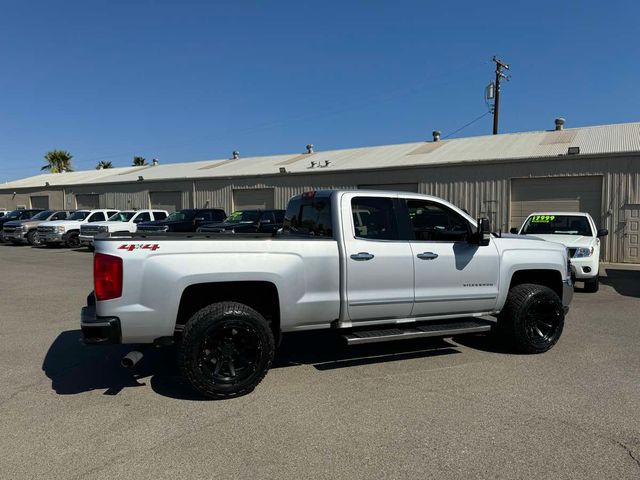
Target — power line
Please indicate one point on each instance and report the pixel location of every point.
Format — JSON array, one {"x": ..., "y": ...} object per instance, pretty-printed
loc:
[{"x": 467, "y": 124}]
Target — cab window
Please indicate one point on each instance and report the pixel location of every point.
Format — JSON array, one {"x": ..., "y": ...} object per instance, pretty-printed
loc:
[
  {"x": 142, "y": 217},
  {"x": 159, "y": 215},
  {"x": 431, "y": 221},
  {"x": 374, "y": 218},
  {"x": 96, "y": 217}
]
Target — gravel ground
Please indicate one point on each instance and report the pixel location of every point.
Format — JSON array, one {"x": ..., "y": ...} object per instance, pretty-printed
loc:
[{"x": 453, "y": 408}]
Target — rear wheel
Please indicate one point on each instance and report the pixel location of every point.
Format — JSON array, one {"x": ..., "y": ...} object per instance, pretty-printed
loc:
[
  {"x": 532, "y": 318},
  {"x": 72, "y": 240},
  {"x": 592, "y": 286},
  {"x": 33, "y": 238},
  {"x": 226, "y": 350}
]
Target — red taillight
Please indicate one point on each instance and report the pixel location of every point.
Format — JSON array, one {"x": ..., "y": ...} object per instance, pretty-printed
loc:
[{"x": 107, "y": 276}]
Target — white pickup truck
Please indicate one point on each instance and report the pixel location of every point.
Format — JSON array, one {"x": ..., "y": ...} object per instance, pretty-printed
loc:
[
  {"x": 372, "y": 266},
  {"x": 125, "y": 221},
  {"x": 67, "y": 232}
]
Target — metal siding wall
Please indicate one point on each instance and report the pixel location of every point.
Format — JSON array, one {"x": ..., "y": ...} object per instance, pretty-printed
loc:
[
  {"x": 482, "y": 189},
  {"x": 23, "y": 197}
]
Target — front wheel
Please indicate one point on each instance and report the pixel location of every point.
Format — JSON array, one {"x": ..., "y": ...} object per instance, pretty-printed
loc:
[
  {"x": 72, "y": 240},
  {"x": 226, "y": 350},
  {"x": 532, "y": 318},
  {"x": 33, "y": 238},
  {"x": 593, "y": 285}
]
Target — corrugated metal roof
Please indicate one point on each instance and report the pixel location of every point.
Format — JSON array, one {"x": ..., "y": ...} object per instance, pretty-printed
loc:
[{"x": 602, "y": 139}]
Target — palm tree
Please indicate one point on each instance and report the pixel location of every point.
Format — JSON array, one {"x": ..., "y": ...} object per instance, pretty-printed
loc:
[
  {"x": 58, "y": 161},
  {"x": 139, "y": 161},
  {"x": 102, "y": 164}
]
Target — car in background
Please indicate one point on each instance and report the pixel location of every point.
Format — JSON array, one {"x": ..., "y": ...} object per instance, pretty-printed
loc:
[
  {"x": 247, "y": 221},
  {"x": 3, "y": 212},
  {"x": 67, "y": 232},
  {"x": 125, "y": 221},
  {"x": 578, "y": 232},
  {"x": 21, "y": 231},
  {"x": 20, "y": 214},
  {"x": 185, "y": 220}
]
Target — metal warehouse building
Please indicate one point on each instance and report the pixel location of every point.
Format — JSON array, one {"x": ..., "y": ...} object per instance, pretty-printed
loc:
[{"x": 504, "y": 177}]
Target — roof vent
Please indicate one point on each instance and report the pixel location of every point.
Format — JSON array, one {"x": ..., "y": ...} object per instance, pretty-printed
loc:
[
  {"x": 235, "y": 155},
  {"x": 310, "y": 148},
  {"x": 436, "y": 135},
  {"x": 154, "y": 162},
  {"x": 559, "y": 123}
]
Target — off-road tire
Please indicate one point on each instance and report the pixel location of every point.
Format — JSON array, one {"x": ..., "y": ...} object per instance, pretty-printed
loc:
[
  {"x": 198, "y": 342},
  {"x": 592, "y": 286},
  {"x": 32, "y": 238},
  {"x": 72, "y": 240},
  {"x": 532, "y": 319}
]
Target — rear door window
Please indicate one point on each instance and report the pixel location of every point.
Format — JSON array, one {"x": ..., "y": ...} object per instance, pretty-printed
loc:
[
  {"x": 159, "y": 215},
  {"x": 96, "y": 217},
  {"x": 374, "y": 218},
  {"x": 309, "y": 216}
]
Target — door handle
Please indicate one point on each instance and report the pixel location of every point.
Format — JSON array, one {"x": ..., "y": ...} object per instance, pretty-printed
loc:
[
  {"x": 362, "y": 256},
  {"x": 427, "y": 256}
]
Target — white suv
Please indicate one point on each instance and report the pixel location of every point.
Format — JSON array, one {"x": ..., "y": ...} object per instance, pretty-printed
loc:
[
  {"x": 578, "y": 232},
  {"x": 67, "y": 232},
  {"x": 125, "y": 221}
]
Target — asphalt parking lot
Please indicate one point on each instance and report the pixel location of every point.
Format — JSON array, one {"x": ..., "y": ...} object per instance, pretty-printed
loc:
[{"x": 454, "y": 408}]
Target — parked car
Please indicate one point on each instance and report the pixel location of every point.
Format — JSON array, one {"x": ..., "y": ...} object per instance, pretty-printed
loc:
[
  {"x": 186, "y": 220},
  {"x": 21, "y": 231},
  {"x": 20, "y": 214},
  {"x": 371, "y": 266},
  {"x": 125, "y": 221},
  {"x": 3, "y": 212},
  {"x": 247, "y": 221},
  {"x": 575, "y": 230},
  {"x": 67, "y": 232}
]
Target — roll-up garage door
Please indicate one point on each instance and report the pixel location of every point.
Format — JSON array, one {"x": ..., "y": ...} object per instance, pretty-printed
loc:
[
  {"x": 567, "y": 194},
  {"x": 394, "y": 187},
  {"x": 88, "y": 201},
  {"x": 40, "y": 201},
  {"x": 252, "y": 198},
  {"x": 170, "y": 201}
]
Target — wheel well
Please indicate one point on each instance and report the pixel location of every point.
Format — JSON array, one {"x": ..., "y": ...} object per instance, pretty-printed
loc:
[
  {"x": 261, "y": 296},
  {"x": 548, "y": 278}
]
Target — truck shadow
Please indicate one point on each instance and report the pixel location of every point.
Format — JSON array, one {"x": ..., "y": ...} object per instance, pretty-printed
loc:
[
  {"x": 624, "y": 282},
  {"x": 74, "y": 368}
]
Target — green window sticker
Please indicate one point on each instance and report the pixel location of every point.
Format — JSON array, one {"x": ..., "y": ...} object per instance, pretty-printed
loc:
[{"x": 542, "y": 218}]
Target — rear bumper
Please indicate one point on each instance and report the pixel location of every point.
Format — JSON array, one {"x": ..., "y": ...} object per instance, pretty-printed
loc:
[
  {"x": 567, "y": 293},
  {"x": 98, "y": 330}
]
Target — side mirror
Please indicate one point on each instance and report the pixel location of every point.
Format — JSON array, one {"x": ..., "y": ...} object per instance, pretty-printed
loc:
[
  {"x": 484, "y": 232},
  {"x": 602, "y": 232},
  {"x": 513, "y": 230}
]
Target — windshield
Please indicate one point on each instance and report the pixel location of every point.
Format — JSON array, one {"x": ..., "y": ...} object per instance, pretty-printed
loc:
[
  {"x": 13, "y": 214},
  {"x": 78, "y": 215},
  {"x": 181, "y": 215},
  {"x": 557, "y": 225},
  {"x": 43, "y": 215},
  {"x": 121, "y": 217},
  {"x": 243, "y": 216}
]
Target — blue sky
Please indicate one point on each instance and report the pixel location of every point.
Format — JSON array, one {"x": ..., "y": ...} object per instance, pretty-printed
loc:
[{"x": 186, "y": 80}]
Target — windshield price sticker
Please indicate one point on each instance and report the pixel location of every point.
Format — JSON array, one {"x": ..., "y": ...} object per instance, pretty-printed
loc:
[{"x": 542, "y": 218}]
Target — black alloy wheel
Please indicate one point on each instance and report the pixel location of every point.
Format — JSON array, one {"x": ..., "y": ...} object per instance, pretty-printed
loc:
[{"x": 226, "y": 350}]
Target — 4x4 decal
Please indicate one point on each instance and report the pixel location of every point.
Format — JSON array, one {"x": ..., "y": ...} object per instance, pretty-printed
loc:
[{"x": 130, "y": 247}]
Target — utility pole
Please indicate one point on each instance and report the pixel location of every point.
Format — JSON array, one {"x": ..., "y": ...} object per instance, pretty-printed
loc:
[{"x": 499, "y": 76}]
